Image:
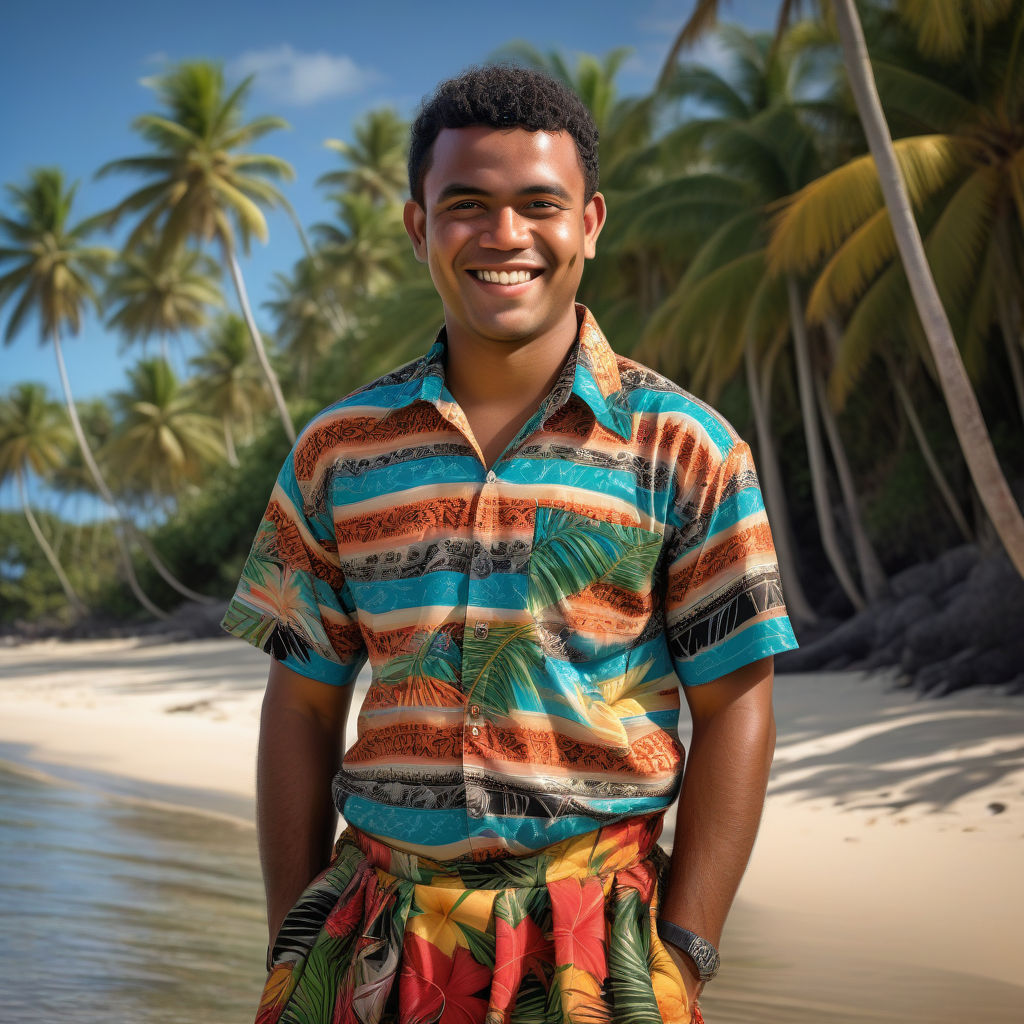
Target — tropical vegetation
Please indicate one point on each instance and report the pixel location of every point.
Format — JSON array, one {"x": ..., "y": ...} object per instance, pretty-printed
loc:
[{"x": 750, "y": 255}]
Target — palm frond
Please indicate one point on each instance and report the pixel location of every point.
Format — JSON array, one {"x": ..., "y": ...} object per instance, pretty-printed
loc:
[
  {"x": 571, "y": 552},
  {"x": 816, "y": 220}
]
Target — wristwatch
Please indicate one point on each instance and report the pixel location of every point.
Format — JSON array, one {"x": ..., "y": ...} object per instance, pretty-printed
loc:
[{"x": 704, "y": 956}]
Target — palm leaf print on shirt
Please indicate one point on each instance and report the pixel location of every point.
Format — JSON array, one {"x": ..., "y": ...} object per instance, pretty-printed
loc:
[
  {"x": 499, "y": 671},
  {"x": 428, "y": 675},
  {"x": 572, "y": 552}
]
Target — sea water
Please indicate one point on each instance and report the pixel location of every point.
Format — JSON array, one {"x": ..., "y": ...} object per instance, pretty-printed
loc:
[{"x": 118, "y": 910}]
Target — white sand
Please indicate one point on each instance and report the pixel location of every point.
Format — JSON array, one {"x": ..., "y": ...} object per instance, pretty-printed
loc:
[{"x": 880, "y": 834}]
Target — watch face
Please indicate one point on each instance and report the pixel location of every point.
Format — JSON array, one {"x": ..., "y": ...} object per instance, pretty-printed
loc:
[{"x": 705, "y": 956}]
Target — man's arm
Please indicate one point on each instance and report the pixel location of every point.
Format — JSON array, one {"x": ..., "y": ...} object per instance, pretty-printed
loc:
[
  {"x": 721, "y": 802},
  {"x": 302, "y": 727}
]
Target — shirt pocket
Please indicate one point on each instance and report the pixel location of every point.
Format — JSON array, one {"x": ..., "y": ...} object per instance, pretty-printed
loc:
[{"x": 590, "y": 580}]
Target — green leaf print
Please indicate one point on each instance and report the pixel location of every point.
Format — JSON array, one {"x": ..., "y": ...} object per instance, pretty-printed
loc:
[
  {"x": 499, "y": 672},
  {"x": 571, "y": 552}
]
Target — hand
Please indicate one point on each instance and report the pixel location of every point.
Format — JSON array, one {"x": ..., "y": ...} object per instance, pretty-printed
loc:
[{"x": 691, "y": 980}]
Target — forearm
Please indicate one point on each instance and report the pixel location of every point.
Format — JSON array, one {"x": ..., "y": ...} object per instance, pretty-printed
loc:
[
  {"x": 299, "y": 752},
  {"x": 719, "y": 810},
  {"x": 722, "y": 798}
]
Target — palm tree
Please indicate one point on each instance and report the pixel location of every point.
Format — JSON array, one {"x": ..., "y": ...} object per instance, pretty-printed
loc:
[
  {"x": 376, "y": 159},
  {"x": 34, "y": 437},
  {"x": 228, "y": 378},
  {"x": 153, "y": 292},
  {"x": 161, "y": 441},
  {"x": 55, "y": 276},
  {"x": 968, "y": 422},
  {"x": 366, "y": 248},
  {"x": 199, "y": 186},
  {"x": 301, "y": 314}
]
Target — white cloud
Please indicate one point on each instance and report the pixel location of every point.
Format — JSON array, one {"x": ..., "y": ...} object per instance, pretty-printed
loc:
[{"x": 298, "y": 78}]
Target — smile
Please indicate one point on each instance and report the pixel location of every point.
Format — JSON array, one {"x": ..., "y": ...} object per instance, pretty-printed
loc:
[{"x": 505, "y": 276}]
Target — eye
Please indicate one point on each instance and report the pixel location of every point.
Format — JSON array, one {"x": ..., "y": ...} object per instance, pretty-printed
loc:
[{"x": 465, "y": 204}]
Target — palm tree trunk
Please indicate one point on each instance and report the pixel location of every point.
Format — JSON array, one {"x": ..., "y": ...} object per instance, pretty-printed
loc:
[
  {"x": 257, "y": 341},
  {"x": 229, "y": 442},
  {"x": 775, "y": 496},
  {"x": 69, "y": 592},
  {"x": 101, "y": 485},
  {"x": 975, "y": 442},
  {"x": 872, "y": 576},
  {"x": 815, "y": 451},
  {"x": 928, "y": 453},
  {"x": 1011, "y": 336}
]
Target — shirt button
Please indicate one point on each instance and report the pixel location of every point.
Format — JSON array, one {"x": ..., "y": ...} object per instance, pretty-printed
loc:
[
  {"x": 480, "y": 630},
  {"x": 474, "y": 710},
  {"x": 475, "y": 731},
  {"x": 491, "y": 476}
]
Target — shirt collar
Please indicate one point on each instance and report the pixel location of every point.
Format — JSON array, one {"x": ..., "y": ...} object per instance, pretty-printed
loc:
[{"x": 590, "y": 372}]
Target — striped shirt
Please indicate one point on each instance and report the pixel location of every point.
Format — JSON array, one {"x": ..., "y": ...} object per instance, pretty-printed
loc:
[{"x": 527, "y": 626}]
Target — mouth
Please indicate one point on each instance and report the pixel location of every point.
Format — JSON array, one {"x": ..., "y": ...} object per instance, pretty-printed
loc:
[{"x": 507, "y": 277}]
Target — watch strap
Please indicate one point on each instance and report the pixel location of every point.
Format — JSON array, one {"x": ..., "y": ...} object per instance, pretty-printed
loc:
[{"x": 704, "y": 956}]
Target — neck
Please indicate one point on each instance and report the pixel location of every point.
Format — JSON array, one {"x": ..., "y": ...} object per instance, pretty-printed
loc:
[{"x": 489, "y": 372}]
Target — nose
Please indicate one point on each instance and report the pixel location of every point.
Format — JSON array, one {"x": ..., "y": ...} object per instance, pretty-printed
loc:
[{"x": 506, "y": 230}]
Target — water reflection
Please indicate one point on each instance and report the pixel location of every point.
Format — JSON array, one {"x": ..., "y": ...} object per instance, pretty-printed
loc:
[{"x": 118, "y": 910}]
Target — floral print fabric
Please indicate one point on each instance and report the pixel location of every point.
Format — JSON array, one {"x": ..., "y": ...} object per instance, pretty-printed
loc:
[{"x": 565, "y": 936}]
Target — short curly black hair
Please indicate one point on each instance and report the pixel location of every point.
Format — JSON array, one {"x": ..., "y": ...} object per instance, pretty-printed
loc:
[{"x": 503, "y": 96}]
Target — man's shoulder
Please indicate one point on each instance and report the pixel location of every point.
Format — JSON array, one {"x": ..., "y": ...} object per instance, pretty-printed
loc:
[{"x": 647, "y": 392}]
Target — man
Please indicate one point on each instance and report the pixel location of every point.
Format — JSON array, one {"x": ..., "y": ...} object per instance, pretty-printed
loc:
[{"x": 533, "y": 541}]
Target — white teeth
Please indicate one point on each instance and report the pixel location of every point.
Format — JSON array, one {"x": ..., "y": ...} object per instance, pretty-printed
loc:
[{"x": 504, "y": 276}]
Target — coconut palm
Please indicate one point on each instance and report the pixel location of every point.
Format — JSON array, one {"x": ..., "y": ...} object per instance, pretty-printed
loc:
[
  {"x": 968, "y": 422},
  {"x": 376, "y": 160},
  {"x": 754, "y": 144},
  {"x": 200, "y": 186},
  {"x": 162, "y": 442},
  {"x": 228, "y": 381},
  {"x": 365, "y": 248},
  {"x": 56, "y": 276},
  {"x": 156, "y": 292},
  {"x": 35, "y": 437},
  {"x": 304, "y": 326}
]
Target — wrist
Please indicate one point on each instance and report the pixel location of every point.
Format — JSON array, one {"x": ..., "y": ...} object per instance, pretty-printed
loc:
[{"x": 701, "y": 953}]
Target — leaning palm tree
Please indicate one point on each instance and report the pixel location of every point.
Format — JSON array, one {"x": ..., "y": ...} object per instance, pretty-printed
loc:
[
  {"x": 161, "y": 441},
  {"x": 375, "y": 160},
  {"x": 200, "y": 186},
  {"x": 56, "y": 276},
  {"x": 975, "y": 442},
  {"x": 228, "y": 379},
  {"x": 34, "y": 437},
  {"x": 155, "y": 292}
]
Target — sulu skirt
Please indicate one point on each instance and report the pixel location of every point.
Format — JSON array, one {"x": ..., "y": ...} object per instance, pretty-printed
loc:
[{"x": 564, "y": 936}]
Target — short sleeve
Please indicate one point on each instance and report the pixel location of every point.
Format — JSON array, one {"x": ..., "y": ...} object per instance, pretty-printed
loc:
[
  {"x": 291, "y": 600},
  {"x": 723, "y": 595}
]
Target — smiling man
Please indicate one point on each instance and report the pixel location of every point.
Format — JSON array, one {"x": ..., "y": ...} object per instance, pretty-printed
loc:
[{"x": 538, "y": 545}]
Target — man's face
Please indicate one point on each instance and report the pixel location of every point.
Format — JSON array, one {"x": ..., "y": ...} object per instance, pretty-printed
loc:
[{"x": 504, "y": 230}]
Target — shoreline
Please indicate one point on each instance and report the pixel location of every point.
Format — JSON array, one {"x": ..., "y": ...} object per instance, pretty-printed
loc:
[{"x": 894, "y": 825}]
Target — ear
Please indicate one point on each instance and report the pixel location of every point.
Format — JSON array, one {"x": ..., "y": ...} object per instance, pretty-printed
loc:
[
  {"x": 415, "y": 218},
  {"x": 594, "y": 214}
]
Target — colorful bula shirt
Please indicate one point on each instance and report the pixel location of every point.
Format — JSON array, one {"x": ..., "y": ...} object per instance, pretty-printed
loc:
[{"x": 527, "y": 626}]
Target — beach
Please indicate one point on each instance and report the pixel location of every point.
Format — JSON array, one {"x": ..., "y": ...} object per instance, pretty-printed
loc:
[{"x": 886, "y": 883}]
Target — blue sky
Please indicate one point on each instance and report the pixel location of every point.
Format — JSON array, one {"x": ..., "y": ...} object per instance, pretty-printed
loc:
[{"x": 73, "y": 78}]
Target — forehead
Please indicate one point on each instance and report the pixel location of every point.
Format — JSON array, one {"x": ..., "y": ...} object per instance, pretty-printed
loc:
[{"x": 503, "y": 160}]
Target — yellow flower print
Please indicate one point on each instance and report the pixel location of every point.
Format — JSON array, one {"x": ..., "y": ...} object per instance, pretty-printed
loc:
[{"x": 443, "y": 910}]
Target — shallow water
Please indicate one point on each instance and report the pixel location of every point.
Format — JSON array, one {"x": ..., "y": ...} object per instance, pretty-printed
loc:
[{"x": 117, "y": 910}]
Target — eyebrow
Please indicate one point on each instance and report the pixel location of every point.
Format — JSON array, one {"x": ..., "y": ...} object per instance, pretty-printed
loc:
[{"x": 457, "y": 188}]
